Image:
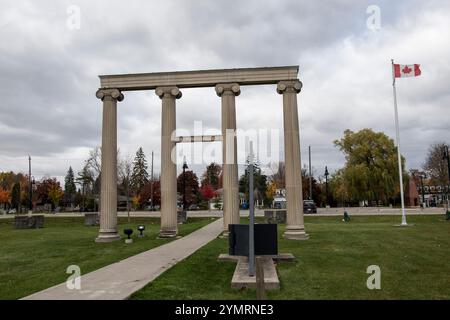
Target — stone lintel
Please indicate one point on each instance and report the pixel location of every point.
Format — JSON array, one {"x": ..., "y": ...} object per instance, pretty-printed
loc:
[
  {"x": 200, "y": 78},
  {"x": 185, "y": 139}
]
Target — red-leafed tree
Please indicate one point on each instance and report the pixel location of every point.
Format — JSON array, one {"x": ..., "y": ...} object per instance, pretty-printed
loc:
[
  {"x": 145, "y": 196},
  {"x": 48, "y": 191},
  {"x": 212, "y": 176},
  {"x": 191, "y": 187},
  {"x": 207, "y": 192},
  {"x": 4, "y": 197}
]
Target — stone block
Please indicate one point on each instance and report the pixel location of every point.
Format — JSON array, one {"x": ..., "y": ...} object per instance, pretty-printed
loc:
[
  {"x": 91, "y": 219},
  {"x": 28, "y": 222},
  {"x": 275, "y": 216},
  {"x": 181, "y": 217}
]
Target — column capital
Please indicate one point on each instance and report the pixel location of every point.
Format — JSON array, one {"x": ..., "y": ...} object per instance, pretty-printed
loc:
[
  {"x": 228, "y": 88},
  {"x": 289, "y": 86},
  {"x": 115, "y": 94},
  {"x": 168, "y": 92}
]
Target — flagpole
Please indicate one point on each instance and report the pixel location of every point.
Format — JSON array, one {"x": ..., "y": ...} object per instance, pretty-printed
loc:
[{"x": 397, "y": 132}]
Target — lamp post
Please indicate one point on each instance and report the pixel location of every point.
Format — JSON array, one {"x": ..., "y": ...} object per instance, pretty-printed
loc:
[
  {"x": 33, "y": 187},
  {"x": 185, "y": 166},
  {"x": 422, "y": 176},
  {"x": 30, "y": 210},
  {"x": 326, "y": 183},
  {"x": 446, "y": 156}
]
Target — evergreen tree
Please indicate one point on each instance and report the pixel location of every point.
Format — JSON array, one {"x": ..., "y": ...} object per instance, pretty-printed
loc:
[
  {"x": 259, "y": 183},
  {"x": 69, "y": 185},
  {"x": 85, "y": 179},
  {"x": 139, "y": 177}
]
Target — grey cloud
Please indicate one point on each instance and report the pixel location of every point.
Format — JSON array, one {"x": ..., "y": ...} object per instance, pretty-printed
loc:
[{"x": 48, "y": 74}]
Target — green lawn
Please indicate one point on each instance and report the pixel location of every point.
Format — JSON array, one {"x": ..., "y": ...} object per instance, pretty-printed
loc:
[
  {"x": 33, "y": 260},
  {"x": 414, "y": 262}
]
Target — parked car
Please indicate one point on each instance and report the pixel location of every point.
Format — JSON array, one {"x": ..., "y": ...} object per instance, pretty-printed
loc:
[
  {"x": 309, "y": 206},
  {"x": 193, "y": 207}
]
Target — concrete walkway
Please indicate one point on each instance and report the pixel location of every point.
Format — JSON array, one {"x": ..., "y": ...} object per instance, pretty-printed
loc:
[{"x": 119, "y": 280}]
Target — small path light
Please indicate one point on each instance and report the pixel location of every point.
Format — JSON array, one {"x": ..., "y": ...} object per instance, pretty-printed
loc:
[
  {"x": 128, "y": 232},
  {"x": 141, "y": 229}
]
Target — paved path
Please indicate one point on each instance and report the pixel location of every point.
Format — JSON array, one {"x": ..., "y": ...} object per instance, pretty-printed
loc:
[
  {"x": 321, "y": 212},
  {"x": 119, "y": 280}
]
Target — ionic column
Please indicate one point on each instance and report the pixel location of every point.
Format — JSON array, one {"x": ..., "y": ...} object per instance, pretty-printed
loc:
[
  {"x": 108, "y": 194},
  {"x": 295, "y": 228},
  {"x": 168, "y": 167},
  {"x": 228, "y": 92}
]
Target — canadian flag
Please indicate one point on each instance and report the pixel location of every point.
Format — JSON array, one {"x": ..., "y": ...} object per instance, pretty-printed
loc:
[{"x": 406, "y": 70}]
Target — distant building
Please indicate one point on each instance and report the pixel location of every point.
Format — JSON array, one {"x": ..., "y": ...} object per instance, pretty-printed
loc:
[
  {"x": 412, "y": 196},
  {"x": 279, "y": 199}
]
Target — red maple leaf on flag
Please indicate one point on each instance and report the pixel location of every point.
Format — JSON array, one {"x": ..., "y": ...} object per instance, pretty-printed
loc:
[{"x": 406, "y": 69}]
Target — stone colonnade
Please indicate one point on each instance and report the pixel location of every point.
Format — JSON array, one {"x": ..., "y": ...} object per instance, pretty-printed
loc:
[{"x": 227, "y": 91}]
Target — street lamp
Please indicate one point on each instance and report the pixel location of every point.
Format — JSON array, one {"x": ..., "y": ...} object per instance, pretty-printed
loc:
[
  {"x": 185, "y": 166},
  {"x": 30, "y": 210},
  {"x": 446, "y": 156},
  {"x": 326, "y": 183}
]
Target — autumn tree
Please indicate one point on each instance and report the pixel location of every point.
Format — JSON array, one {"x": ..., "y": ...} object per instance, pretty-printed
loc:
[
  {"x": 271, "y": 191},
  {"x": 4, "y": 197},
  {"x": 205, "y": 194},
  {"x": 48, "y": 191},
  {"x": 211, "y": 176},
  {"x": 435, "y": 165},
  {"x": 55, "y": 194},
  {"x": 371, "y": 169},
  {"x": 338, "y": 189},
  {"x": 139, "y": 176},
  {"x": 146, "y": 196},
  {"x": 278, "y": 174},
  {"x": 191, "y": 187}
]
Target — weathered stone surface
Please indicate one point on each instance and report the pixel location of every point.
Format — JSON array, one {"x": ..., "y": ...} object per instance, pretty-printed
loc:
[
  {"x": 181, "y": 217},
  {"x": 168, "y": 96},
  {"x": 241, "y": 279},
  {"x": 108, "y": 194},
  {"x": 227, "y": 83},
  {"x": 29, "y": 222},
  {"x": 228, "y": 93},
  {"x": 199, "y": 78},
  {"x": 275, "y": 216},
  {"x": 295, "y": 228},
  {"x": 91, "y": 219}
]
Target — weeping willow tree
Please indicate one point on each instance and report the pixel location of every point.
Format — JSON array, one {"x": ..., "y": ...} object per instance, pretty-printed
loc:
[{"x": 371, "y": 169}]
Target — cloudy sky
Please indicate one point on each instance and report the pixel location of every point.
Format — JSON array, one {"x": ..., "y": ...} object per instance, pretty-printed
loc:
[{"x": 49, "y": 73}]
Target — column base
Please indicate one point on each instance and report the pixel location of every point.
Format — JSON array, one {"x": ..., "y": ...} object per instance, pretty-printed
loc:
[
  {"x": 225, "y": 234},
  {"x": 295, "y": 233},
  {"x": 107, "y": 237},
  {"x": 167, "y": 233}
]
